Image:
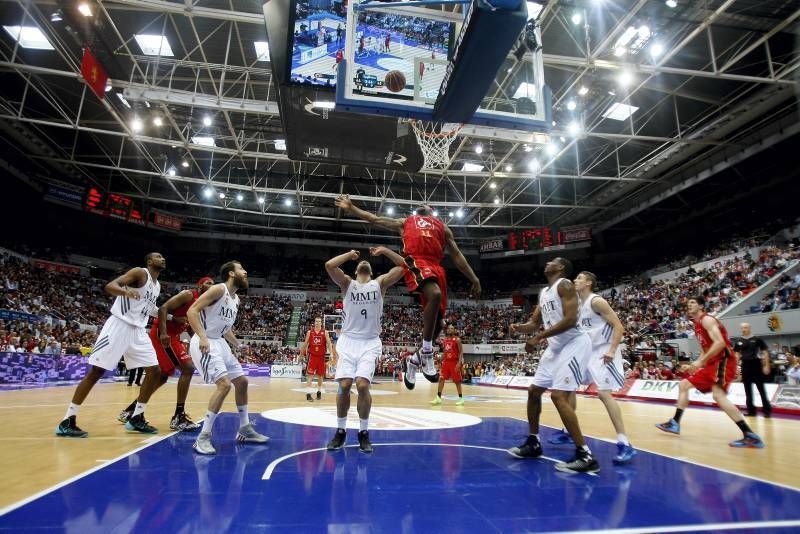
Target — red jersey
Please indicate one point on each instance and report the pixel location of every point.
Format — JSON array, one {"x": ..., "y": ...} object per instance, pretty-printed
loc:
[
  {"x": 451, "y": 352},
  {"x": 705, "y": 340},
  {"x": 316, "y": 343},
  {"x": 424, "y": 237},
  {"x": 175, "y": 328}
]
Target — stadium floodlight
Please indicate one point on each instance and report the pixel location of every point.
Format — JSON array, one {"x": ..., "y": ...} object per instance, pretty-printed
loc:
[
  {"x": 671, "y": 4},
  {"x": 492, "y": 185},
  {"x": 656, "y": 49},
  {"x": 85, "y": 9},
  {"x": 528, "y": 148},
  {"x": 157, "y": 121},
  {"x": 571, "y": 105},
  {"x": 496, "y": 200},
  {"x": 222, "y": 196},
  {"x": 534, "y": 165},
  {"x": 551, "y": 149},
  {"x": 583, "y": 90},
  {"x": 136, "y": 125},
  {"x": 185, "y": 164},
  {"x": 435, "y": 213},
  {"x": 207, "y": 121},
  {"x": 509, "y": 168},
  {"x": 450, "y": 214},
  {"x": 576, "y": 18},
  {"x": 459, "y": 213},
  {"x": 261, "y": 200},
  {"x": 208, "y": 191},
  {"x": 479, "y": 149},
  {"x": 625, "y": 78},
  {"x": 171, "y": 171},
  {"x": 620, "y": 51},
  {"x": 390, "y": 210},
  {"x": 574, "y": 128},
  {"x": 239, "y": 197},
  {"x": 287, "y": 201}
]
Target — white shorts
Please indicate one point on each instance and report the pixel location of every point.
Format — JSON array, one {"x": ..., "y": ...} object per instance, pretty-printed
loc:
[
  {"x": 357, "y": 357},
  {"x": 606, "y": 376},
  {"x": 119, "y": 339},
  {"x": 218, "y": 363},
  {"x": 564, "y": 370}
]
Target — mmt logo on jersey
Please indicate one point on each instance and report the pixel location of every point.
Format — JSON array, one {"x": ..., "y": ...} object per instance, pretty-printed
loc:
[
  {"x": 227, "y": 313},
  {"x": 365, "y": 296}
]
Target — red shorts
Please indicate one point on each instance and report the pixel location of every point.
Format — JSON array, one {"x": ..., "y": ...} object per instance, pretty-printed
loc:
[
  {"x": 721, "y": 372},
  {"x": 420, "y": 270},
  {"x": 316, "y": 366},
  {"x": 450, "y": 370},
  {"x": 172, "y": 358}
]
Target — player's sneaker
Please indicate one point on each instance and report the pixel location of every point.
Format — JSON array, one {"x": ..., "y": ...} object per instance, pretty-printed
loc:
[
  {"x": 183, "y": 423},
  {"x": 137, "y": 423},
  {"x": 437, "y": 400},
  {"x": 337, "y": 441},
  {"x": 750, "y": 441},
  {"x": 582, "y": 463},
  {"x": 410, "y": 376},
  {"x": 363, "y": 442},
  {"x": 308, "y": 397},
  {"x": 532, "y": 448},
  {"x": 69, "y": 429},
  {"x": 428, "y": 367},
  {"x": 671, "y": 427},
  {"x": 625, "y": 454},
  {"x": 460, "y": 401},
  {"x": 319, "y": 395},
  {"x": 561, "y": 438},
  {"x": 248, "y": 434},
  {"x": 202, "y": 445},
  {"x": 123, "y": 416}
]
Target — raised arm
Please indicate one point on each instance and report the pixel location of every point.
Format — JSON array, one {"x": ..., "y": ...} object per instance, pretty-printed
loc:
[
  {"x": 208, "y": 298},
  {"x": 121, "y": 286},
  {"x": 391, "y": 278},
  {"x": 393, "y": 256},
  {"x": 462, "y": 264},
  {"x": 601, "y": 307},
  {"x": 344, "y": 202},
  {"x": 333, "y": 266}
]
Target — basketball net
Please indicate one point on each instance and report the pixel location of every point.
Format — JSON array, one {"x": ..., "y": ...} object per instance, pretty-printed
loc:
[{"x": 434, "y": 140}]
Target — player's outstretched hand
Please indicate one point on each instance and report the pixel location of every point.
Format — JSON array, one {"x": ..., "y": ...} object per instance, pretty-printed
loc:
[
  {"x": 377, "y": 251},
  {"x": 475, "y": 290},
  {"x": 354, "y": 255},
  {"x": 513, "y": 328},
  {"x": 344, "y": 202}
]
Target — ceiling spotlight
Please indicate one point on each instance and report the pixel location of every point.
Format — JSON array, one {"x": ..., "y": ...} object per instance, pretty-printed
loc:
[
  {"x": 390, "y": 210},
  {"x": 479, "y": 149},
  {"x": 551, "y": 149},
  {"x": 583, "y": 90},
  {"x": 157, "y": 121},
  {"x": 625, "y": 78},
  {"x": 450, "y": 214},
  {"x": 222, "y": 196},
  {"x": 576, "y": 18},
  {"x": 620, "y": 51},
  {"x": 534, "y": 165},
  {"x": 496, "y": 200},
  {"x": 671, "y": 3},
  {"x": 571, "y": 105},
  {"x": 184, "y": 164},
  {"x": 136, "y": 125},
  {"x": 656, "y": 49},
  {"x": 260, "y": 200},
  {"x": 206, "y": 121},
  {"x": 109, "y": 86},
  {"x": 573, "y": 128},
  {"x": 509, "y": 167},
  {"x": 492, "y": 185},
  {"x": 435, "y": 213},
  {"x": 85, "y": 9},
  {"x": 459, "y": 213},
  {"x": 171, "y": 171},
  {"x": 239, "y": 197},
  {"x": 55, "y": 16},
  {"x": 287, "y": 201},
  {"x": 208, "y": 191},
  {"x": 528, "y": 148}
]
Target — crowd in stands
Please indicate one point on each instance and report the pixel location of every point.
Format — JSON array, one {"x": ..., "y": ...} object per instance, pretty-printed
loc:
[
  {"x": 786, "y": 296},
  {"x": 264, "y": 316}
]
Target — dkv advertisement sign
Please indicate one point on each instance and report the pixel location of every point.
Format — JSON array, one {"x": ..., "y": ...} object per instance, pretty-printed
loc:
[
  {"x": 286, "y": 371},
  {"x": 668, "y": 389}
]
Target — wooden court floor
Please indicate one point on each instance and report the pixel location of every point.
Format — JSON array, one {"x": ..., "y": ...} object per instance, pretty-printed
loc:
[{"x": 34, "y": 459}]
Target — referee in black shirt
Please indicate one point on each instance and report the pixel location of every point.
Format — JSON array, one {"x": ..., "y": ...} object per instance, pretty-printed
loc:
[{"x": 754, "y": 358}]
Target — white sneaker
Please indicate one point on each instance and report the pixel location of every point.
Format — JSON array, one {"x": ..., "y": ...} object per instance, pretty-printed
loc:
[
  {"x": 428, "y": 367},
  {"x": 248, "y": 434},
  {"x": 203, "y": 444},
  {"x": 410, "y": 376}
]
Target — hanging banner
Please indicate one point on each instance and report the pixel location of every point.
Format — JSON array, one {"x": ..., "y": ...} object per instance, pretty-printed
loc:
[{"x": 94, "y": 74}]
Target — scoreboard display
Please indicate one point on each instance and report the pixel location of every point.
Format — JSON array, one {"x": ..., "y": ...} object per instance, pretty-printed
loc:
[
  {"x": 539, "y": 238},
  {"x": 114, "y": 205},
  {"x": 533, "y": 239}
]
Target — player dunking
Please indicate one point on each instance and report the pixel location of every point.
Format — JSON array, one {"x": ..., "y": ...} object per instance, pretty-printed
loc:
[
  {"x": 165, "y": 334},
  {"x": 562, "y": 366},
  {"x": 212, "y": 317},
  {"x": 452, "y": 363},
  {"x": 713, "y": 371},
  {"x": 359, "y": 346},
  {"x": 424, "y": 240},
  {"x": 317, "y": 341},
  {"x": 124, "y": 335}
]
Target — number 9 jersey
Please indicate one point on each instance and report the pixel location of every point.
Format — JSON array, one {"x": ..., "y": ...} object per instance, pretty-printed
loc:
[{"x": 363, "y": 308}]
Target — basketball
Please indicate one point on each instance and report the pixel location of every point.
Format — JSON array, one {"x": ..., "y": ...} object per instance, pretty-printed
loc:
[{"x": 395, "y": 81}]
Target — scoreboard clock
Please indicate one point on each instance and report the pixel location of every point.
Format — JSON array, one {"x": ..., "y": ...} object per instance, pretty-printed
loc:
[
  {"x": 114, "y": 205},
  {"x": 533, "y": 239}
]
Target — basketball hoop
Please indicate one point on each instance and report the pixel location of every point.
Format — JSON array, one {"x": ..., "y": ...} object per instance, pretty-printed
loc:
[{"x": 434, "y": 140}]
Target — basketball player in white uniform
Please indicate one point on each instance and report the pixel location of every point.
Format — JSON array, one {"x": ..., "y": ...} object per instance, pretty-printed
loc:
[
  {"x": 359, "y": 344},
  {"x": 212, "y": 317},
  {"x": 124, "y": 334},
  {"x": 561, "y": 367},
  {"x": 604, "y": 367}
]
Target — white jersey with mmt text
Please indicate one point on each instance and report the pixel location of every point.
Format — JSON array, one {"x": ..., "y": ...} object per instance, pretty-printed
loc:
[
  {"x": 218, "y": 318},
  {"x": 137, "y": 312},
  {"x": 363, "y": 308},
  {"x": 591, "y": 322},
  {"x": 552, "y": 314}
]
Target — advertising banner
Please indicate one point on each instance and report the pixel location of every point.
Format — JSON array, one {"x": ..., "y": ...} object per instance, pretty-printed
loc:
[{"x": 286, "y": 371}]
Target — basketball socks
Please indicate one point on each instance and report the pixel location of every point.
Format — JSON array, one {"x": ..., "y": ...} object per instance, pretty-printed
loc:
[
  {"x": 72, "y": 410},
  {"x": 208, "y": 422},
  {"x": 131, "y": 407},
  {"x": 180, "y": 408},
  {"x": 140, "y": 406},
  {"x": 678, "y": 415},
  {"x": 244, "y": 418},
  {"x": 341, "y": 423},
  {"x": 363, "y": 424},
  {"x": 622, "y": 438},
  {"x": 427, "y": 345},
  {"x": 743, "y": 426},
  {"x": 439, "y": 394}
]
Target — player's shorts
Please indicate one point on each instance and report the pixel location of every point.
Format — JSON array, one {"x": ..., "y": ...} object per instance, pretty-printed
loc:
[
  {"x": 357, "y": 357},
  {"x": 316, "y": 366},
  {"x": 119, "y": 339},
  {"x": 564, "y": 370},
  {"x": 219, "y": 362},
  {"x": 450, "y": 370},
  {"x": 721, "y": 372},
  {"x": 172, "y": 358},
  {"x": 606, "y": 376},
  {"x": 419, "y": 270}
]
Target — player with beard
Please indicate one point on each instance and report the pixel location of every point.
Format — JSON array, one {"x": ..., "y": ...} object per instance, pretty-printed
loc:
[{"x": 212, "y": 318}]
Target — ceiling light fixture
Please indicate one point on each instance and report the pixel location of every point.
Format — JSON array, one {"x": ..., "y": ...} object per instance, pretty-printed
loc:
[
  {"x": 571, "y": 105},
  {"x": 583, "y": 90},
  {"x": 207, "y": 121},
  {"x": 576, "y": 18},
  {"x": 671, "y": 4},
  {"x": 287, "y": 201},
  {"x": 208, "y": 191},
  {"x": 185, "y": 164},
  {"x": 29, "y": 37},
  {"x": 85, "y": 9},
  {"x": 157, "y": 121},
  {"x": 136, "y": 124},
  {"x": 239, "y": 197}
]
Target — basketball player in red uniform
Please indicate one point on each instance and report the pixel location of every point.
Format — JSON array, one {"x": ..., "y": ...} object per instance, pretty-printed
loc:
[
  {"x": 165, "y": 334},
  {"x": 424, "y": 240},
  {"x": 452, "y": 362},
  {"x": 317, "y": 342},
  {"x": 713, "y": 371}
]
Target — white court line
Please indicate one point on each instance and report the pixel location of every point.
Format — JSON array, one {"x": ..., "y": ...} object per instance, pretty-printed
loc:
[
  {"x": 147, "y": 443},
  {"x": 271, "y": 467},
  {"x": 688, "y": 528},
  {"x": 678, "y": 458}
]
